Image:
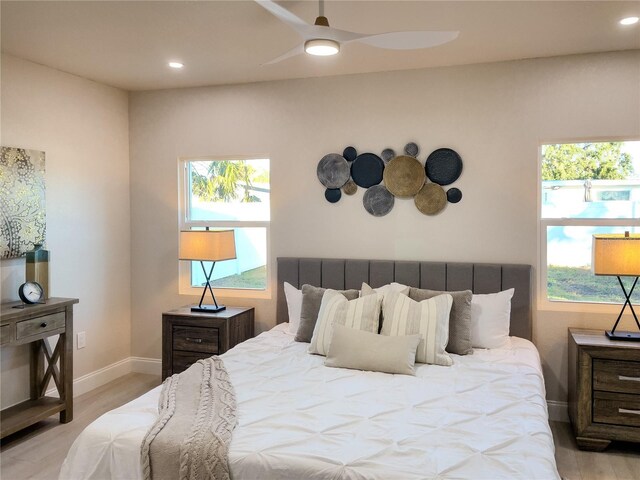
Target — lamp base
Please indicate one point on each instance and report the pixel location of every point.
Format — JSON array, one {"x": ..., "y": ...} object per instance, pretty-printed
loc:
[
  {"x": 629, "y": 336},
  {"x": 208, "y": 308}
]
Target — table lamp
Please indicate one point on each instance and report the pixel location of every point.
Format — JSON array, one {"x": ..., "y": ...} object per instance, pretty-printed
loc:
[
  {"x": 619, "y": 255},
  {"x": 207, "y": 246}
]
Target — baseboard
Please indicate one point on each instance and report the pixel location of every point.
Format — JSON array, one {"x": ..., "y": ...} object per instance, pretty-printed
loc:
[
  {"x": 558, "y": 411},
  {"x": 90, "y": 381},
  {"x": 151, "y": 366},
  {"x": 97, "y": 378}
]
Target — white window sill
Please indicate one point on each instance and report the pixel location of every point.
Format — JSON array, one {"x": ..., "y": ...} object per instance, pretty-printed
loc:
[{"x": 225, "y": 293}]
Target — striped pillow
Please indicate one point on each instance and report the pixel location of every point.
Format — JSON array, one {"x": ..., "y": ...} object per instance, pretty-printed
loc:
[
  {"x": 429, "y": 318},
  {"x": 360, "y": 314}
]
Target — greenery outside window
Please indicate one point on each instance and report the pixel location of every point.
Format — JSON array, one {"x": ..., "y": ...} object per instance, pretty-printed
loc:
[
  {"x": 224, "y": 193},
  {"x": 586, "y": 188}
]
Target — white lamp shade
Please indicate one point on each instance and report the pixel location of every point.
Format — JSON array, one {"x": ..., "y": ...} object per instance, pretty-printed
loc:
[
  {"x": 207, "y": 245},
  {"x": 616, "y": 255}
]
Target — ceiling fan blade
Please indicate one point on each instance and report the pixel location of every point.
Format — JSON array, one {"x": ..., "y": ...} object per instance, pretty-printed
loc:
[
  {"x": 286, "y": 16},
  {"x": 408, "y": 40},
  {"x": 291, "y": 53}
]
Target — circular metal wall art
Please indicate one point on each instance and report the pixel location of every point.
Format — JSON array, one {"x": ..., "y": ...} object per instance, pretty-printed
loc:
[
  {"x": 443, "y": 166},
  {"x": 404, "y": 176},
  {"x": 411, "y": 149},
  {"x": 378, "y": 201},
  {"x": 333, "y": 171},
  {"x": 350, "y": 154},
  {"x": 332, "y": 195},
  {"x": 366, "y": 170},
  {"x": 431, "y": 199},
  {"x": 387, "y": 154},
  {"x": 350, "y": 187},
  {"x": 454, "y": 195}
]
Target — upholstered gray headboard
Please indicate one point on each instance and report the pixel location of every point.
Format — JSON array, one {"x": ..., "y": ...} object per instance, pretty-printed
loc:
[{"x": 343, "y": 274}]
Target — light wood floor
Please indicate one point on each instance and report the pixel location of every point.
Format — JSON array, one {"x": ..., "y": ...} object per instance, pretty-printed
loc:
[{"x": 38, "y": 453}]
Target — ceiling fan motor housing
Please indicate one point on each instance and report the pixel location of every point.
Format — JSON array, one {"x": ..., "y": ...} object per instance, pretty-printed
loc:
[{"x": 322, "y": 22}]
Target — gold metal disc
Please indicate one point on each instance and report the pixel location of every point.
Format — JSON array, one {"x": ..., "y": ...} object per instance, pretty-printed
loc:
[
  {"x": 404, "y": 176},
  {"x": 350, "y": 187},
  {"x": 431, "y": 199}
]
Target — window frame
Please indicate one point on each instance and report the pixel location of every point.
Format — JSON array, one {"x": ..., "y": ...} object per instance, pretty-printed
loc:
[
  {"x": 184, "y": 267},
  {"x": 544, "y": 304}
]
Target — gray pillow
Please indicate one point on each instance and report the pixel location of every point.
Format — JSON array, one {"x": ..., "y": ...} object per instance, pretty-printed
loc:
[
  {"x": 311, "y": 300},
  {"x": 459, "y": 319},
  {"x": 361, "y": 350}
]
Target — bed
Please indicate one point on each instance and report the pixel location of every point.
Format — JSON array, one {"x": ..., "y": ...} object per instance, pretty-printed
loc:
[{"x": 483, "y": 417}]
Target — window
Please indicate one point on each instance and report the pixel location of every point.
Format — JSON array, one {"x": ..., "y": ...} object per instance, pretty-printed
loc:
[
  {"x": 586, "y": 189},
  {"x": 222, "y": 194}
]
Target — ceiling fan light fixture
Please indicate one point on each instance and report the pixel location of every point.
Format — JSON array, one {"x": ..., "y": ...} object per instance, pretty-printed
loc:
[{"x": 321, "y": 47}]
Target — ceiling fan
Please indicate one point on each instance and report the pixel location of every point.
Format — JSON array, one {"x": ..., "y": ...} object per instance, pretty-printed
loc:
[{"x": 321, "y": 39}]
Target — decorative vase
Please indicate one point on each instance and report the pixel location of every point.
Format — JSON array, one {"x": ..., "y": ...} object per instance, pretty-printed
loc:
[{"x": 38, "y": 267}]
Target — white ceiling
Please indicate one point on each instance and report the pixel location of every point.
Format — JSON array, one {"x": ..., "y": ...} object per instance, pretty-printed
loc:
[{"x": 127, "y": 44}]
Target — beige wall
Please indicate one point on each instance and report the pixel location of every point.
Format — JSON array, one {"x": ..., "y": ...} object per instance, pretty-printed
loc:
[
  {"x": 494, "y": 115},
  {"x": 83, "y": 128}
]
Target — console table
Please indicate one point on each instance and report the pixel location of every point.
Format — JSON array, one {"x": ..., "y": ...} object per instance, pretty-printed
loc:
[{"x": 33, "y": 324}]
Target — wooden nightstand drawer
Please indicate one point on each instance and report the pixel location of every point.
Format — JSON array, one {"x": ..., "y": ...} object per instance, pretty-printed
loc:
[
  {"x": 616, "y": 376},
  {"x": 616, "y": 409},
  {"x": 39, "y": 325},
  {"x": 195, "y": 339}
]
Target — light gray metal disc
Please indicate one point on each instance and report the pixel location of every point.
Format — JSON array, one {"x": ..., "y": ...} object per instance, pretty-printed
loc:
[
  {"x": 378, "y": 201},
  {"x": 387, "y": 155},
  {"x": 333, "y": 170},
  {"x": 411, "y": 149}
]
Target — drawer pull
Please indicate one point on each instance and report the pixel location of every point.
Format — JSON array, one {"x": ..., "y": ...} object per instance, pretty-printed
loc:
[
  {"x": 629, "y": 379},
  {"x": 194, "y": 340},
  {"x": 43, "y": 324},
  {"x": 626, "y": 410}
]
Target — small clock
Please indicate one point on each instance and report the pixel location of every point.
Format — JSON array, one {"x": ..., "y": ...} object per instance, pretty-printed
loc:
[{"x": 31, "y": 292}]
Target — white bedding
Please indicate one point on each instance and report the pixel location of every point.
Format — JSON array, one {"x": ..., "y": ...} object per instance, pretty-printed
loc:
[{"x": 483, "y": 417}]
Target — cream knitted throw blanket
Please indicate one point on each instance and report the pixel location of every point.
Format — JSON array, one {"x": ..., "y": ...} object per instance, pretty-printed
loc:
[{"x": 197, "y": 414}]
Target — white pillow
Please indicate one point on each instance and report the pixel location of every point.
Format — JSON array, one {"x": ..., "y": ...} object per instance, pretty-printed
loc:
[
  {"x": 490, "y": 318},
  {"x": 294, "y": 305},
  {"x": 389, "y": 287},
  {"x": 429, "y": 318},
  {"x": 361, "y": 314}
]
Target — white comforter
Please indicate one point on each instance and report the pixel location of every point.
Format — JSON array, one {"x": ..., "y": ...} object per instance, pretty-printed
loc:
[{"x": 483, "y": 418}]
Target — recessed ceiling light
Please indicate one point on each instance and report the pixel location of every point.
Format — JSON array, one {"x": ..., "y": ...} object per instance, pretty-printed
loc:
[
  {"x": 321, "y": 47},
  {"x": 629, "y": 21},
  {"x": 176, "y": 65}
]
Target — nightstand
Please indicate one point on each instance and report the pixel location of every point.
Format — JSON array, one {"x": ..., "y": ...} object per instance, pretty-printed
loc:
[
  {"x": 604, "y": 389},
  {"x": 190, "y": 336}
]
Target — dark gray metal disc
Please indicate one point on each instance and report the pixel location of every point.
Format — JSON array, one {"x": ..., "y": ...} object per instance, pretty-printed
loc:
[
  {"x": 378, "y": 201},
  {"x": 367, "y": 169},
  {"x": 387, "y": 155},
  {"x": 332, "y": 195},
  {"x": 454, "y": 195},
  {"x": 443, "y": 166},
  {"x": 411, "y": 149},
  {"x": 350, "y": 154},
  {"x": 333, "y": 171}
]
